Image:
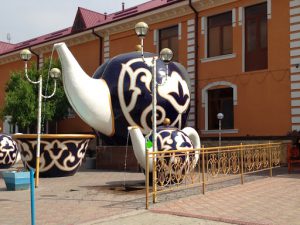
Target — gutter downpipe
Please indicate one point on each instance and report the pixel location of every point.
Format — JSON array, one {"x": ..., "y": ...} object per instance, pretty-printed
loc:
[
  {"x": 100, "y": 45},
  {"x": 100, "y": 62},
  {"x": 37, "y": 57},
  {"x": 196, "y": 64}
]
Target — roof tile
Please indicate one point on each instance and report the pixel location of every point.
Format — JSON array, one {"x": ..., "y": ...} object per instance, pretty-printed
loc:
[
  {"x": 4, "y": 47},
  {"x": 86, "y": 19}
]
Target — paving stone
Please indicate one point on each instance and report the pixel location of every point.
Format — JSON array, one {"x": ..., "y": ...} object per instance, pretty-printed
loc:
[
  {"x": 95, "y": 197},
  {"x": 273, "y": 200}
]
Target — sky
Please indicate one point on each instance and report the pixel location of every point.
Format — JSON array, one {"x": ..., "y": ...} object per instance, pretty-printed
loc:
[{"x": 27, "y": 19}]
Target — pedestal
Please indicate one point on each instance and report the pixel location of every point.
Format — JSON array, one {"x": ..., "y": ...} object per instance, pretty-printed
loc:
[{"x": 113, "y": 158}]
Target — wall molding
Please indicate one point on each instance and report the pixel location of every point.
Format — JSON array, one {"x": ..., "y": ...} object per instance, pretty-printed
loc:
[
  {"x": 294, "y": 63},
  {"x": 191, "y": 68}
]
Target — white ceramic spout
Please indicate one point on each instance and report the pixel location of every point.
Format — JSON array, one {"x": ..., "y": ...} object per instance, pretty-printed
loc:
[
  {"x": 89, "y": 97},
  {"x": 194, "y": 136},
  {"x": 139, "y": 146}
]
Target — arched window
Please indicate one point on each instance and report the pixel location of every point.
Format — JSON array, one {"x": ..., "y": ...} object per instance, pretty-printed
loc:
[{"x": 219, "y": 97}]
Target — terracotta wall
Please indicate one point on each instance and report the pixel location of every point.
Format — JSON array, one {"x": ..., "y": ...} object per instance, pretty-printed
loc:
[
  {"x": 5, "y": 71},
  {"x": 127, "y": 41},
  {"x": 263, "y": 97}
]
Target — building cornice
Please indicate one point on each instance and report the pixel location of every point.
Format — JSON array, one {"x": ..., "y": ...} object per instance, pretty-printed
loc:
[
  {"x": 201, "y": 5},
  {"x": 152, "y": 17},
  {"x": 75, "y": 39},
  {"x": 162, "y": 14}
]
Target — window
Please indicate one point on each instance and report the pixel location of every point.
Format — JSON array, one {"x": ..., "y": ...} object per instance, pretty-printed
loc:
[
  {"x": 168, "y": 38},
  {"x": 256, "y": 37},
  {"x": 219, "y": 34},
  {"x": 220, "y": 101},
  {"x": 71, "y": 113}
]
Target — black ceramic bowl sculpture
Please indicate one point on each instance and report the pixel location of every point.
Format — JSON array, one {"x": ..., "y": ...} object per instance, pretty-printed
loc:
[{"x": 60, "y": 154}]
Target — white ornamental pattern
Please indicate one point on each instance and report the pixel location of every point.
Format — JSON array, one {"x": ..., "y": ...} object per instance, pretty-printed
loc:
[
  {"x": 65, "y": 155},
  {"x": 173, "y": 166},
  {"x": 175, "y": 85},
  {"x": 8, "y": 151}
]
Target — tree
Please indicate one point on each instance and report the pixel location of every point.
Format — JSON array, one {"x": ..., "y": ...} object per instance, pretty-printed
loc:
[{"x": 21, "y": 98}]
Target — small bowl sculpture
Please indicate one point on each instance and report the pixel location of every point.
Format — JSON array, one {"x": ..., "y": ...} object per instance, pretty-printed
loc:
[
  {"x": 60, "y": 154},
  {"x": 8, "y": 151}
]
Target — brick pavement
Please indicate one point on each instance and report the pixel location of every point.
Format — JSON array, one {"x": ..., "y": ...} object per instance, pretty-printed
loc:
[
  {"x": 148, "y": 217},
  {"x": 273, "y": 200},
  {"x": 96, "y": 197},
  {"x": 84, "y": 197}
]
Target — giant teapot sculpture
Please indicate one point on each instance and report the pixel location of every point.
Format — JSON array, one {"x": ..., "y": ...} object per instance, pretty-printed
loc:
[
  {"x": 168, "y": 138},
  {"x": 119, "y": 94}
]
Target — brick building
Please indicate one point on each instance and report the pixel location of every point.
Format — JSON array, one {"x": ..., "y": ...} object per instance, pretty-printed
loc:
[{"x": 242, "y": 57}]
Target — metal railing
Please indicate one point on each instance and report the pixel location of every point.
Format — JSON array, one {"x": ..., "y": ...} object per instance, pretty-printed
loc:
[{"x": 181, "y": 169}]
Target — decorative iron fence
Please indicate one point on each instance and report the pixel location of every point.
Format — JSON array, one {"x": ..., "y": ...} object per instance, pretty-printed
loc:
[{"x": 180, "y": 169}]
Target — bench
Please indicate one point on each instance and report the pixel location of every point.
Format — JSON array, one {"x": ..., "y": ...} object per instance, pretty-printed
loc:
[{"x": 293, "y": 158}]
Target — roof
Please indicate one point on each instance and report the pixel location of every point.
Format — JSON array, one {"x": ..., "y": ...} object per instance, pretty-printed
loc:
[
  {"x": 86, "y": 19},
  {"x": 4, "y": 46}
]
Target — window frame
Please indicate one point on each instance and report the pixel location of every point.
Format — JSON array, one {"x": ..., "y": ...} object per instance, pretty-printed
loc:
[
  {"x": 222, "y": 25},
  {"x": 175, "y": 52},
  {"x": 267, "y": 17},
  {"x": 204, "y": 95}
]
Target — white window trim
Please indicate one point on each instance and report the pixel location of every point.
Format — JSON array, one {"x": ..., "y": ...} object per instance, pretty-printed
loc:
[
  {"x": 219, "y": 57},
  {"x": 204, "y": 31},
  {"x": 225, "y": 131},
  {"x": 156, "y": 39},
  {"x": 179, "y": 31},
  {"x": 233, "y": 17},
  {"x": 269, "y": 9},
  {"x": 241, "y": 16},
  {"x": 205, "y": 97}
]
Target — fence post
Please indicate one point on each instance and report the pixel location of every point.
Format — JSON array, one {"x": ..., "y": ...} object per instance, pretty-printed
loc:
[
  {"x": 154, "y": 175},
  {"x": 242, "y": 163},
  {"x": 199, "y": 164},
  {"x": 203, "y": 169},
  {"x": 147, "y": 178},
  {"x": 270, "y": 156}
]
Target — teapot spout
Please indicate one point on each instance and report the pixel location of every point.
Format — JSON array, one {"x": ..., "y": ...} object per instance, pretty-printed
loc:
[
  {"x": 138, "y": 144},
  {"x": 89, "y": 97}
]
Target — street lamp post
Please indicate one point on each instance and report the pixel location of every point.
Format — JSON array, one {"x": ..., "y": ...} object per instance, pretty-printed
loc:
[
  {"x": 54, "y": 73},
  {"x": 166, "y": 56},
  {"x": 220, "y": 116}
]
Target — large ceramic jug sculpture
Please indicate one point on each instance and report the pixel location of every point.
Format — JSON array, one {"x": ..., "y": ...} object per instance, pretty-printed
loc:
[
  {"x": 119, "y": 94},
  {"x": 168, "y": 138}
]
